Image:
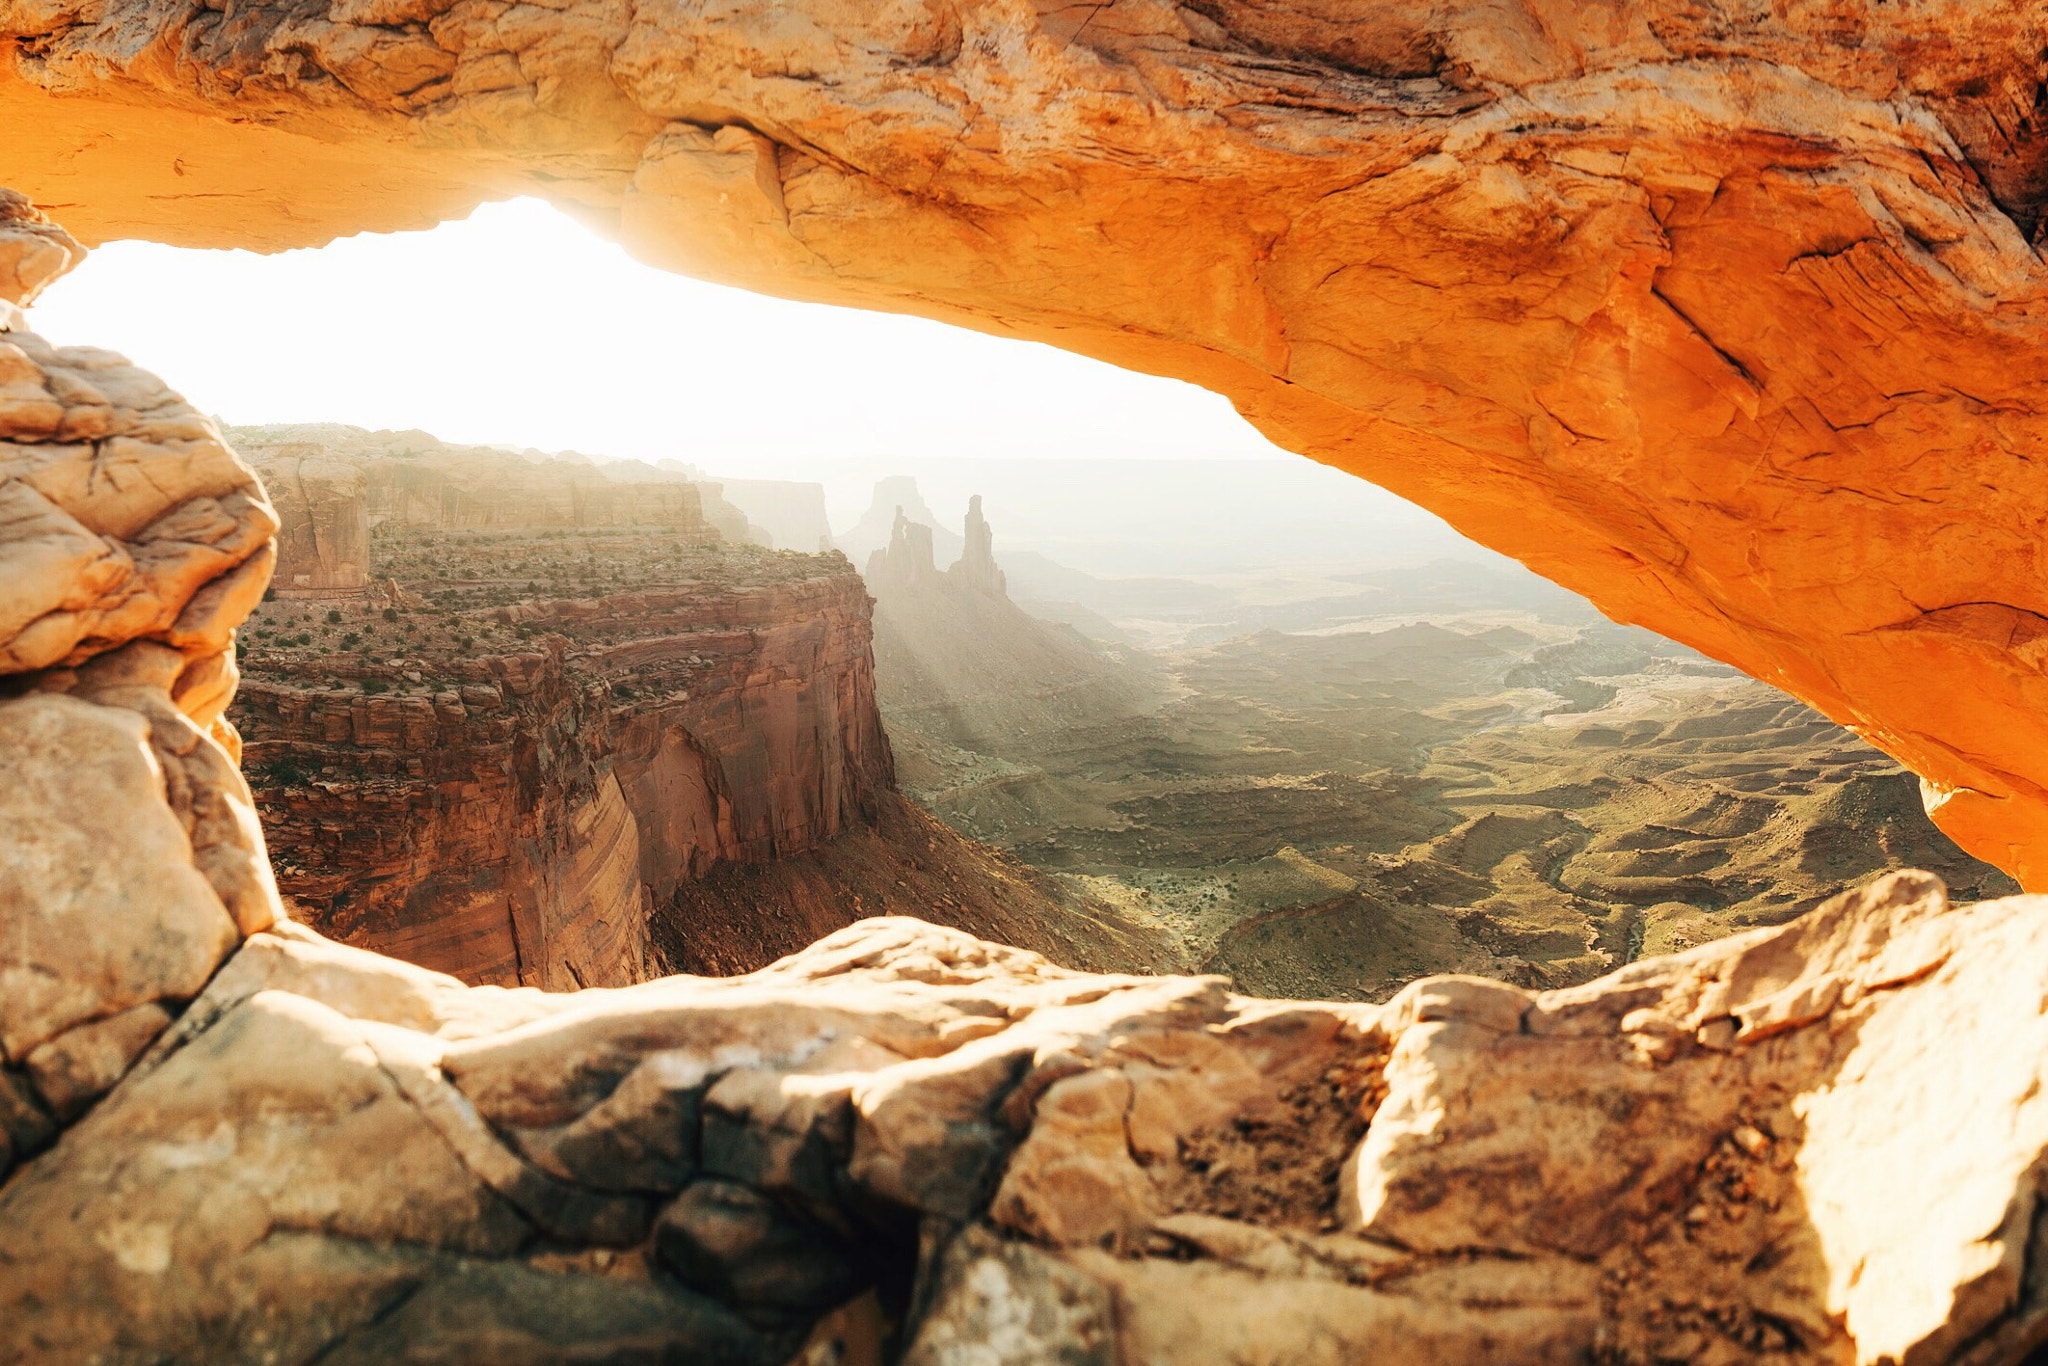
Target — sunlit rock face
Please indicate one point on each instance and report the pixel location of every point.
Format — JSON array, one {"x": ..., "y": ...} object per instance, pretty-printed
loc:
[
  {"x": 132, "y": 544},
  {"x": 1727, "y": 316}
]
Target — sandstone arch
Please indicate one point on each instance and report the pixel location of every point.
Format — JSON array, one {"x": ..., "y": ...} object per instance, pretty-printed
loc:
[{"x": 1726, "y": 316}]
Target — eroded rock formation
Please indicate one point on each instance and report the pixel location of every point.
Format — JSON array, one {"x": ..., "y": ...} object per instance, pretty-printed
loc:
[
  {"x": 227, "y": 1138},
  {"x": 1728, "y": 317},
  {"x": 323, "y": 538},
  {"x": 976, "y": 566},
  {"x": 958, "y": 664},
  {"x": 520, "y": 815},
  {"x": 896, "y": 500},
  {"x": 132, "y": 544}
]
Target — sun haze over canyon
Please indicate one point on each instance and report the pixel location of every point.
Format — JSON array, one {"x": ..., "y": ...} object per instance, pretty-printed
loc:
[{"x": 966, "y": 685}]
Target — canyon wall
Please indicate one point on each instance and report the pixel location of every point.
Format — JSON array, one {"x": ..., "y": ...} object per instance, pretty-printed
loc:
[
  {"x": 519, "y": 817},
  {"x": 1728, "y": 317},
  {"x": 791, "y": 512},
  {"x": 323, "y": 537},
  {"x": 523, "y": 814},
  {"x": 418, "y": 480},
  {"x": 590, "y": 750}
]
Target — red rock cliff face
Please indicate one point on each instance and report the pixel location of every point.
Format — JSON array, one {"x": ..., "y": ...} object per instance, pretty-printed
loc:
[{"x": 518, "y": 823}]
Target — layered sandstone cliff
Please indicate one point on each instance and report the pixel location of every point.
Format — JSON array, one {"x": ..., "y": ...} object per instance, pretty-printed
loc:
[
  {"x": 416, "y": 479},
  {"x": 520, "y": 814},
  {"x": 323, "y": 540},
  {"x": 1726, "y": 316},
  {"x": 224, "y": 1137}
]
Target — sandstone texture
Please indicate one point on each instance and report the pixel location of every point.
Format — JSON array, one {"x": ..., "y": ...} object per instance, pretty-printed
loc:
[
  {"x": 132, "y": 544},
  {"x": 1813, "y": 1143},
  {"x": 323, "y": 538},
  {"x": 1726, "y": 316}
]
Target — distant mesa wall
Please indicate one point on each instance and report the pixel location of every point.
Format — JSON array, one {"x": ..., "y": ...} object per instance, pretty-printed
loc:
[
  {"x": 791, "y": 512},
  {"x": 730, "y": 520},
  {"x": 510, "y": 493},
  {"x": 323, "y": 540},
  {"x": 418, "y": 480}
]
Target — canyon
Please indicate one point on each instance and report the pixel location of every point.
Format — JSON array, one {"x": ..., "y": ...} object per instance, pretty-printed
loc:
[
  {"x": 1814, "y": 1142},
  {"x": 1323, "y": 782},
  {"x": 558, "y": 712}
]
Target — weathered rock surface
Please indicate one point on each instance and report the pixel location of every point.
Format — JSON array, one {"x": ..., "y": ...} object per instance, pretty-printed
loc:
[
  {"x": 520, "y": 816},
  {"x": 1728, "y": 317},
  {"x": 323, "y": 537},
  {"x": 1814, "y": 1143},
  {"x": 132, "y": 543},
  {"x": 33, "y": 250}
]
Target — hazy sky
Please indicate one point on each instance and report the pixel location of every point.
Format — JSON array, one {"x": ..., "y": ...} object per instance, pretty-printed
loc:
[{"x": 519, "y": 326}]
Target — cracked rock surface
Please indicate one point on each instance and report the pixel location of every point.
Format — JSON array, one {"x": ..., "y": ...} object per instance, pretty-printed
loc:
[
  {"x": 1728, "y": 316},
  {"x": 1818, "y": 1143}
]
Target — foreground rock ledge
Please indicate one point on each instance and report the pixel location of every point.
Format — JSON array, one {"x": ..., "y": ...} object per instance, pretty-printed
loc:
[{"x": 1819, "y": 1143}]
